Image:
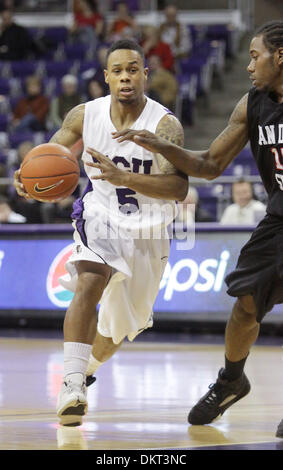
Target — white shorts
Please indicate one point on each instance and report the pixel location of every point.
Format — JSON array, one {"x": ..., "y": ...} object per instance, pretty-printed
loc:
[{"x": 137, "y": 268}]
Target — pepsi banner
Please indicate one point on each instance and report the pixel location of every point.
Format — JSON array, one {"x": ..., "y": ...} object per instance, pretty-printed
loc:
[{"x": 193, "y": 282}]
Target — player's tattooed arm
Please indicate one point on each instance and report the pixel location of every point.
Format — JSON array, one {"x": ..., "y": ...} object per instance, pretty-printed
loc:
[
  {"x": 169, "y": 128},
  {"x": 70, "y": 133},
  {"x": 232, "y": 140},
  {"x": 171, "y": 184},
  {"x": 208, "y": 163},
  {"x": 160, "y": 186}
]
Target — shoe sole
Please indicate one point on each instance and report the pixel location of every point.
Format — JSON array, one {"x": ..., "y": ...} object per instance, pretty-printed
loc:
[
  {"x": 224, "y": 408},
  {"x": 73, "y": 414}
]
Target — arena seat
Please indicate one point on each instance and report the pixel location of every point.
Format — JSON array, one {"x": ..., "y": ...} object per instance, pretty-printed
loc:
[
  {"x": 58, "y": 69},
  {"x": 16, "y": 138},
  {"x": 4, "y": 121},
  {"x": 76, "y": 51},
  {"x": 4, "y": 86},
  {"x": 23, "y": 68}
]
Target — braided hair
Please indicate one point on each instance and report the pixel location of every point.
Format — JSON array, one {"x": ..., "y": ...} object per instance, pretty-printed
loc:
[{"x": 272, "y": 35}]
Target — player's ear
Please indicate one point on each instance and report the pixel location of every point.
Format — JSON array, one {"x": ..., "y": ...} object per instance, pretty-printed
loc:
[
  {"x": 145, "y": 71},
  {"x": 106, "y": 76}
]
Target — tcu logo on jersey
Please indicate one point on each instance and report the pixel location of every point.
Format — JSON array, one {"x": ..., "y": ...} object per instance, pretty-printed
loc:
[{"x": 127, "y": 203}]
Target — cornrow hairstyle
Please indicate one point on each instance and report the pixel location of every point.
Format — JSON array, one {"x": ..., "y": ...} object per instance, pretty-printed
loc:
[
  {"x": 125, "y": 44},
  {"x": 272, "y": 34}
]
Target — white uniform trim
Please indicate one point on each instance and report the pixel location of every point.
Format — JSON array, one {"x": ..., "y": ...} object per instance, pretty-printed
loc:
[{"x": 137, "y": 264}]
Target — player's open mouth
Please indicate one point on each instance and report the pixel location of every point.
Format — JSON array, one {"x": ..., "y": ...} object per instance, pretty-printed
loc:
[{"x": 126, "y": 91}]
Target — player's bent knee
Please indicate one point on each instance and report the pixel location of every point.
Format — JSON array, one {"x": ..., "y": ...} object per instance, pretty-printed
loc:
[
  {"x": 247, "y": 304},
  {"x": 243, "y": 314},
  {"x": 90, "y": 283}
]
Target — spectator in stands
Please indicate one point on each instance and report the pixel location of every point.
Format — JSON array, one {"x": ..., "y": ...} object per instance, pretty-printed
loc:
[
  {"x": 7, "y": 215},
  {"x": 190, "y": 209},
  {"x": 152, "y": 45},
  {"x": 88, "y": 23},
  {"x": 31, "y": 111},
  {"x": 15, "y": 41},
  {"x": 123, "y": 24},
  {"x": 14, "y": 160},
  {"x": 94, "y": 90},
  {"x": 96, "y": 73},
  {"x": 68, "y": 99},
  {"x": 245, "y": 209},
  {"x": 162, "y": 83},
  {"x": 10, "y": 4},
  {"x": 175, "y": 34},
  {"x": 22, "y": 151}
]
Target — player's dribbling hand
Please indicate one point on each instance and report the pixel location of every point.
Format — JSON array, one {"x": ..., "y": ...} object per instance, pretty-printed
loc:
[
  {"x": 144, "y": 138},
  {"x": 19, "y": 186},
  {"x": 109, "y": 171}
]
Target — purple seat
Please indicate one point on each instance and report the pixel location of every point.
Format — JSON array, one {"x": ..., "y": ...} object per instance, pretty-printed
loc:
[
  {"x": 133, "y": 5},
  {"x": 23, "y": 68},
  {"x": 16, "y": 138},
  {"x": 3, "y": 158},
  {"x": 224, "y": 33},
  {"x": 4, "y": 86},
  {"x": 254, "y": 169},
  {"x": 245, "y": 157},
  {"x": 195, "y": 65},
  {"x": 55, "y": 35},
  {"x": 76, "y": 51},
  {"x": 208, "y": 199},
  {"x": 229, "y": 171},
  {"x": 4, "y": 121},
  {"x": 35, "y": 32},
  {"x": 197, "y": 33},
  {"x": 48, "y": 135},
  {"x": 58, "y": 69},
  {"x": 88, "y": 65}
]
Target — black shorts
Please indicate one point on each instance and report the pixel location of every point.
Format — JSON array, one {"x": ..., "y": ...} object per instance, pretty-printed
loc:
[{"x": 259, "y": 270}]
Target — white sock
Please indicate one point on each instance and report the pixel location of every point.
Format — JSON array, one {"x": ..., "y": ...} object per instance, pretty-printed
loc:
[
  {"x": 93, "y": 365},
  {"x": 76, "y": 356}
]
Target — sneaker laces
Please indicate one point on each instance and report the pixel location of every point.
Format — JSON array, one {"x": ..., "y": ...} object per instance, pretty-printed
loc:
[
  {"x": 74, "y": 387},
  {"x": 213, "y": 396}
]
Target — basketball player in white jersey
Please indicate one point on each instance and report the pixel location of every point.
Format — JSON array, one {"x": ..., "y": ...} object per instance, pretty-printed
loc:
[{"x": 110, "y": 264}]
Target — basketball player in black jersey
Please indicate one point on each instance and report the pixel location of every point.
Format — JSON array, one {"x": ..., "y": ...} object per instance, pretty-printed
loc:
[{"x": 257, "y": 281}]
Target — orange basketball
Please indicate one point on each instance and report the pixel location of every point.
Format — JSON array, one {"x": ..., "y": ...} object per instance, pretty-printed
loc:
[{"x": 50, "y": 172}]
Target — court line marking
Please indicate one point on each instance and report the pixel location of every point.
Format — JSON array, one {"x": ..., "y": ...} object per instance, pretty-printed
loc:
[
  {"x": 191, "y": 446},
  {"x": 278, "y": 439}
]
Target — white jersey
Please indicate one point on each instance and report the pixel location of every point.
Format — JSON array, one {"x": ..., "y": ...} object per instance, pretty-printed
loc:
[
  {"x": 121, "y": 204},
  {"x": 137, "y": 262}
]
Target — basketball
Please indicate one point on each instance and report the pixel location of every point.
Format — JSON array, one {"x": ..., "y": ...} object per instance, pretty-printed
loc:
[{"x": 50, "y": 172}]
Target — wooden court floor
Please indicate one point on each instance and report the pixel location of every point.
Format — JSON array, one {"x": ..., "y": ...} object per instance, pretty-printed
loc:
[{"x": 140, "y": 400}]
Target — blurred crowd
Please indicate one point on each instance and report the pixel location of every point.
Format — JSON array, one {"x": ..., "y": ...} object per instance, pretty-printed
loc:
[{"x": 36, "y": 111}]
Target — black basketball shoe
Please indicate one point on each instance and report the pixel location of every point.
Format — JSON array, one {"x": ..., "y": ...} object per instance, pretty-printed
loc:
[
  {"x": 90, "y": 379},
  {"x": 279, "y": 432},
  {"x": 221, "y": 395}
]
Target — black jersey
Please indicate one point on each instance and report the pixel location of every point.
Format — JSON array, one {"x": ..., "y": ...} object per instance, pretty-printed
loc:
[{"x": 265, "y": 124}]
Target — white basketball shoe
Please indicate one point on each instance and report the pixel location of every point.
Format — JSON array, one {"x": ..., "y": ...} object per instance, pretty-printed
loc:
[{"x": 72, "y": 403}]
